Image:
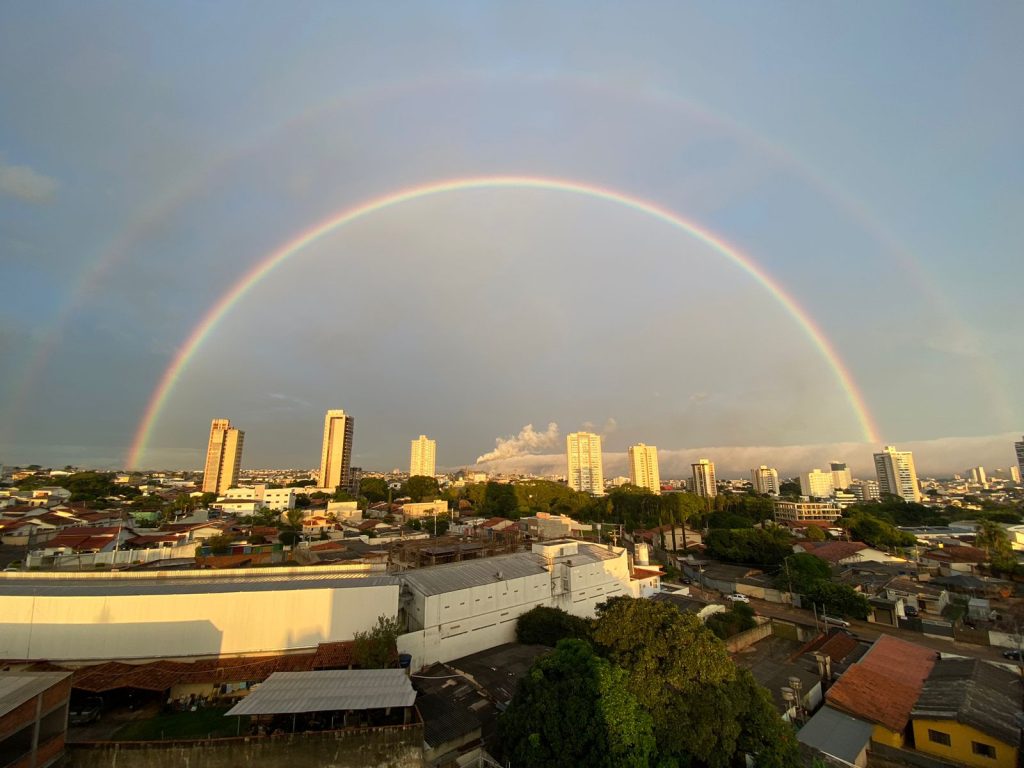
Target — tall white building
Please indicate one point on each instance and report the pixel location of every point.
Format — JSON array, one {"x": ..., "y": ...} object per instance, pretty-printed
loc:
[
  {"x": 896, "y": 474},
  {"x": 223, "y": 457},
  {"x": 978, "y": 475},
  {"x": 816, "y": 484},
  {"x": 422, "y": 456},
  {"x": 1015, "y": 474},
  {"x": 704, "y": 483},
  {"x": 765, "y": 480},
  {"x": 865, "y": 490},
  {"x": 336, "y": 457},
  {"x": 583, "y": 457},
  {"x": 643, "y": 467},
  {"x": 841, "y": 477}
]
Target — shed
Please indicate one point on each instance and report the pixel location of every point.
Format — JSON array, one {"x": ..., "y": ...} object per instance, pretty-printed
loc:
[{"x": 329, "y": 690}]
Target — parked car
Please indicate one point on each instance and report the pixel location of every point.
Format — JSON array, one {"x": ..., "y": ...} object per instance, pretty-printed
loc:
[
  {"x": 834, "y": 621},
  {"x": 84, "y": 711},
  {"x": 1012, "y": 655},
  {"x": 736, "y": 597}
]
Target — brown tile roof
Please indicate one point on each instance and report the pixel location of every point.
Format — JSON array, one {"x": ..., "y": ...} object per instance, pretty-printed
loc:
[
  {"x": 884, "y": 685},
  {"x": 961, "y": 554},
  {"x": 834, "y": 551},
  {"x": 839, "y": 646},
  {"x": 334, "y": 655}
]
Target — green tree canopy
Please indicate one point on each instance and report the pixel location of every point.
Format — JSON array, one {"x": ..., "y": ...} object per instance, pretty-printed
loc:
[
  {"x": 376, "y": 648},
  {"x": 500, "y": 501},
  {"x": 574, "y": 708},
  {"x": 753, "y": 546},
  {"x": 546, "y": 626},
  {"x": 422, "y": 488},
  {"x": 375, "y": 489}
]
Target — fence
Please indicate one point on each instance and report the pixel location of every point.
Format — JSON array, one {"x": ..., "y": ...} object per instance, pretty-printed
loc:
[{"x": 748, "y": 637}]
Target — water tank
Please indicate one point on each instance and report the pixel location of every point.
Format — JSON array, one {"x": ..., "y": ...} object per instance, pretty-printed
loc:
[{"x": 642, "y": 557}]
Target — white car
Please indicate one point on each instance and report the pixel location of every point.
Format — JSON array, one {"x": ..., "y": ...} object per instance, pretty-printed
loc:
[{"x": 736, "y": 597}]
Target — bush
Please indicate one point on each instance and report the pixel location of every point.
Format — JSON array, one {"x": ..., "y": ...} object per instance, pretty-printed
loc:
[
  {"x": 728, "y": 623},
  {"x": 546, "y": 626}
]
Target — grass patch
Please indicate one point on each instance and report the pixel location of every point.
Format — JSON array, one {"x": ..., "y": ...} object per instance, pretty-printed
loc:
[{"x": 201, "y": 724}]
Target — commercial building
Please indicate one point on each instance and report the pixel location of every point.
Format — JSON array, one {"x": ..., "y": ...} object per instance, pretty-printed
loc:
[
  {"x": 422, "y": 457},
  {"x": 842, "y": 479},
  {"x": 585, "y": 470},
  {"x": 765, "y": 480},
  {"x": 643, "y": 467},
  {"x": 33, "y": 718},
  {"x": 336, "y": 456},
  {"x": 816, "y": 484},
  {"x": 704, "y": 483},
  {"x": 896, "y": 474},
  {"x": 223, "y": 457},
  {"x": 806, "y": 511}
]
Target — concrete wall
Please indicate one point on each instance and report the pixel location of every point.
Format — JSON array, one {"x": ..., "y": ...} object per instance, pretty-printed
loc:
[
  {"x": 399, "y": 747},
  {"x": 175, "y": 625}
]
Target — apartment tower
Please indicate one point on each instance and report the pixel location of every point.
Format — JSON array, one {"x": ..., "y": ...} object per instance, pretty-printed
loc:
[
  {"x": 1019, "y": 447},
  {"x": 583, "y": 456},
  {"x": 643, "y": 467},
  {"x": 421, "y": 457},
  {"x": 336, "y": 457},
  {"x": 704, "y": 483},
  {"x": 816, "y": 484},
  {"x": 223, "y": 457},
  {"x": 841, "y": 476},
  {"x": 896, "y": 474},
  {"x": 765, "y": 480}
]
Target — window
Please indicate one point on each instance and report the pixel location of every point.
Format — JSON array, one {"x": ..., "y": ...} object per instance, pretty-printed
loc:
[
  {"x": 985, "y": 750},
  {"x": 938, "y": 737}
]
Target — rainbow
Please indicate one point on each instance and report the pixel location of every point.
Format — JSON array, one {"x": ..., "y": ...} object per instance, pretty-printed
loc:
[{"x": 233, "y": 295}]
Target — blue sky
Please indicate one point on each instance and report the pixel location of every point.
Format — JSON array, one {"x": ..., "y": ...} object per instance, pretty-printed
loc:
[{"x": 866, "y": 156}]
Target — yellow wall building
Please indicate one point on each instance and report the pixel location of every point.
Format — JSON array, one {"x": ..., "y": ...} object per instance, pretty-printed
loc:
[
  {"x": 643, "y": 467},
  {"x": 223, "y": 457},
  {"x": 422, "y": 457}
]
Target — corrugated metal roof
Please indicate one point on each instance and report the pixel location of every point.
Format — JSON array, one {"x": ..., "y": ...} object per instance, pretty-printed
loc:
[
  {"x": 439, "y": 579},
  {"x": 170, "y": 586},
  {"x": 18, "y": 687},
  {"x": 836, "y": 734},
  {"x": 328, "y": 690},
  {"x": 973, "y": 692}
]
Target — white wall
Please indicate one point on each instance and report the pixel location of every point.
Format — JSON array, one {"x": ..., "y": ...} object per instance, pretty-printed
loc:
[{"x": 178, "y": 625}]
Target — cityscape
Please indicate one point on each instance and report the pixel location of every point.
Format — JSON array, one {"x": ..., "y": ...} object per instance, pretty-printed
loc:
[{"x": 511, "y": 386}]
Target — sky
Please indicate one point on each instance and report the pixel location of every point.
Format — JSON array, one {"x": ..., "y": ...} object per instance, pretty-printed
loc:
[{"x": 865, "y": 158}]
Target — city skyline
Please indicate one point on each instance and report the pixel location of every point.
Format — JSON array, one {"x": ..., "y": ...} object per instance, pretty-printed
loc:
[{"x": 508, "y": 192}]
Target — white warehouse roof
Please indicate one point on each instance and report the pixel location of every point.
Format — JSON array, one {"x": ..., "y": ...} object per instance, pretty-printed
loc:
[
  {"x": 328, "y": 690},
  {"x": 439, "y": 579}
]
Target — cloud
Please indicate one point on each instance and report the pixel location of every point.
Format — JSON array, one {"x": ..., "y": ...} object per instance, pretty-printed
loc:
[
  {"x": 527, "y": 442},
  {"x": 26, "y": 184}
]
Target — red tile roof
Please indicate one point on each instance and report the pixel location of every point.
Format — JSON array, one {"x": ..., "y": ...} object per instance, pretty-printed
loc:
[
  {"x": 833, "y": 551},
  {"x": 884, "y": 685},
  {"x": 960, "y": 554}
]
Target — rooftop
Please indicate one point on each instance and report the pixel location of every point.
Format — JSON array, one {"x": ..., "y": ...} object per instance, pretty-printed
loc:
[
  {"x": 835, "y": 734},
  {"x": 497, "y": 670},
  {"x": 328, "y": 690},
  {"x": 18, "y": 687},
  {"x": 974, "y": 693},
  {"x": 439, "y": 579}
]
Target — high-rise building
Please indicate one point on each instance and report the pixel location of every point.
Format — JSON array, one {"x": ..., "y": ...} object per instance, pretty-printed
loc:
[
  {"x": 643, "y": 467},
  {"x": 223, "y": 457},
  {"x": 865, "y": 490},
  {"x": 816, "y": 484},
  {"x": 978, "y": 475},
  {"x": 336, "y": 457},
  {"x": 1014, "y": 474},
  {"x": 1019, "y": 447},
  {"x": 585, "y": 469},
  {"x": 421, "y": 457},
  {"x": 704, "y": 483},
  {"x": 896, "y": 474},
  {"x": 765, "y": 480},
  {"x": 841, "y": 477}
]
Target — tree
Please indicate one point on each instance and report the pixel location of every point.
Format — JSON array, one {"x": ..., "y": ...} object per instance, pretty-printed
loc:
[
  {"x": 342, "y": 495},
  {"x": 838, "y": 599},
  {"x": 992, "y": 538},
  {"x": 500, "y": 501},
  {"x": 814, "y": 533},
  {"x": 220, "y": 544},
  {"x": 422, "y": 488},
  {"x": 375, "y": 489},
  {"x": 546, "y": 626},
  {"x": 728, "y": 623},
  {"x": 207, "y": 499},
  {"x": 872, "y": 529},
  {"x": 754, "y": 546},
  {"x": 800, "y": 572},
  {"x": 376, "y": 648},
  {"x": 575, "y": 708}
]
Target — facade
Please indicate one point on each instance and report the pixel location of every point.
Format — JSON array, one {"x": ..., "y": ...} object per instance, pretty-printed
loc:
[
  {"x": 422, "y": 457},
  {"x": 704, "y": 483},
  {"x": 896, "y": 474},
  {"x": 816, "y": 484},
  {"x": 1015, "y": 475},
  {"x": 33, "y": 718},
  {"x": 1019, "y": 448},
  {"x": 274, "y": 499},
  {"x": 765, "y": 480},
  {"x": 806, "y": 511},
  {"x": 585, "y": 469},
  {"x": 223, "y": 457},
  {"x": 978, "y": 476},
  {"x": 841, "y": 476},
  {"x": 866, "y": 490},
  {"x": 413, "y": 510},
  {"x": 643, "y": 467},
  {"x": 336, "y": 456}
]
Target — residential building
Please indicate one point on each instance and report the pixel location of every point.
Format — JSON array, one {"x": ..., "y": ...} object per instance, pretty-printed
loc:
[
  {"x": 274, "y": 499},
  {"x": 413, "y": 510},
  {"x": 1015, "y": 474},
  {"x": 765, "y": 480},
  {"x": 865, "y": 490},
  {"x": 969, "y": 712},
  {"x": 841, "y": 476},
  {"x": 33, "y": 718},
  {"x": 643, "y": 467},
  {"x": 816, "y": 484},
  {"x": 585, "y": 468},
  {"x": 704, "y": 483},
  {"x": 896, "y": 474},
  {"x": 223, "y": 457},
  {"x": 978, "y": 476},
  {"x": 336, "y": 456},
  {"x": 1019, "y": 448},
  {"x": 422, "y": 457},
  {"x": 806, "y": 511}
]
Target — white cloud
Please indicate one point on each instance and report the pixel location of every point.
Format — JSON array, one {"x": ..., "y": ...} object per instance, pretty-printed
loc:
[
  {"x": 26, "y": 184},
  {"x": 527, "y": 442}
]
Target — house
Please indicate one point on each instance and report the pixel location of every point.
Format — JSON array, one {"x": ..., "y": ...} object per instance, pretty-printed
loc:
[
  {"x": 544, "y": 525},
  {"x": 455, "y": 715},
  {"x": 86, "y": 539},
  {"x": 969, "y": 712},
  {"x": 882, "y": 688},
  {"x": 844, "y": 552},
  {"x": 919, "y": 595},
  {"x": 672, "y": 537},
  {"x": 957, "y": 559},
  {"x": 414, "y": 510}
]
